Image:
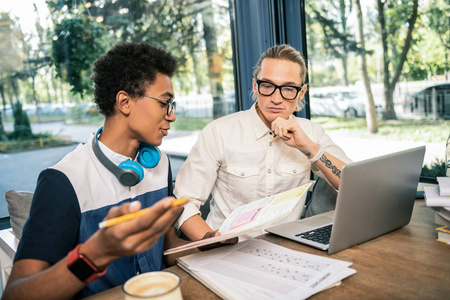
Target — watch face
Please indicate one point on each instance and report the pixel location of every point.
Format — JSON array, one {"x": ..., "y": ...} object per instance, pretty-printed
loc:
[{"x": 81, "y": 269}]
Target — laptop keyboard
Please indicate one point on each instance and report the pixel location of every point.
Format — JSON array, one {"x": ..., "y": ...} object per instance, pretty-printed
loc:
[{"x": 320, "y": 235}]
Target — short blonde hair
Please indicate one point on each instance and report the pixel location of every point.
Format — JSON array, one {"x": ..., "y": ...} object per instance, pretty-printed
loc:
[{"x": 284, "y": 52}]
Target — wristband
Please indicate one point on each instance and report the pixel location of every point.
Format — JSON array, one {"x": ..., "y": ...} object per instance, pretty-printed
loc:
[
  {"x": 81, "y": 266},
  {"x": 318, "y": 155}
]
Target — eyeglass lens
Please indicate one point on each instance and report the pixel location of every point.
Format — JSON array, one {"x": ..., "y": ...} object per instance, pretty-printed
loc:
[
  {"x": 267, "y": 89},
  {"x": 171, "y": 106}
]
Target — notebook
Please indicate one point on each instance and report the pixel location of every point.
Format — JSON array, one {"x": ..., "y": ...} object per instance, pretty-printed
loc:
[{"x": 375, "y": 196}]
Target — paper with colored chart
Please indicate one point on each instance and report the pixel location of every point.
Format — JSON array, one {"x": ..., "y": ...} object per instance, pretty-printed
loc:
[{"x": 253, "y": 216}]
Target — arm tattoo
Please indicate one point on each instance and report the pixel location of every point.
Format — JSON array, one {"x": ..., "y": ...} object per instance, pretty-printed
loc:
[{"x": 329, "y": 165}]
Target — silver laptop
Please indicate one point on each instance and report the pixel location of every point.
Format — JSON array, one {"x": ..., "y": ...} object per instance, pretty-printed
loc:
[{"x": 375, "y": 196}]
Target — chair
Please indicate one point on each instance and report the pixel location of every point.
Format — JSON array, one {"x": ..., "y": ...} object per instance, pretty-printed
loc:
[
  {"x": 205, "y": 208},
  {"x": 19, "y": 208},
  {"x": 323, "y": 199}
]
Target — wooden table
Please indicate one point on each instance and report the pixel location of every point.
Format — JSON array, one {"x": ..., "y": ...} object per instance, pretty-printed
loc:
[{"x": 405, "y": 264}]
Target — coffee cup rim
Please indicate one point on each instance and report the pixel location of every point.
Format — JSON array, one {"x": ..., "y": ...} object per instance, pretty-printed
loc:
[{"x": 154, "y": 273}]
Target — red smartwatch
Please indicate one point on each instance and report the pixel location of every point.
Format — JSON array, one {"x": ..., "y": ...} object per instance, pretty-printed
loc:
[{"x": 82, "y": 267}]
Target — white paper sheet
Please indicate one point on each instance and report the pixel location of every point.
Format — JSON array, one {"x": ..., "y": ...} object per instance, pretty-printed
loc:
[{"x": 257, "y": 269}]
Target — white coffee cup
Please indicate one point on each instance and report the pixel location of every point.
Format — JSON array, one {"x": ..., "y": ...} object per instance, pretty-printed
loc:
[{"x": 153, "y": 285}]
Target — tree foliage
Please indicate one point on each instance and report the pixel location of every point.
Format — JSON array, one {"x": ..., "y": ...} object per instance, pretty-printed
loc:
[
  {"x": 338, "y": 41},
  {"x": 22, "y": 127},
  {"x": 171, "y": 24},
  {"x": 426, "y": 58},
  {"x": 187, "y": 28},
  {"x": 439, "y": 20},
  {"x": 78, "y": 42},
  {"x": 11, "y": 66}
]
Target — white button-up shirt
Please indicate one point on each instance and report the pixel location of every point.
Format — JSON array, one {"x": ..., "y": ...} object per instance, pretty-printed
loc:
[{"x": 238, "y": 160}]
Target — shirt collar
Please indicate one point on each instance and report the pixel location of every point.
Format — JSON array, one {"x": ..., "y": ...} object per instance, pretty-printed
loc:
[
  {"x": 259, "y": 127},
  {"x": 114, "y": 157}
]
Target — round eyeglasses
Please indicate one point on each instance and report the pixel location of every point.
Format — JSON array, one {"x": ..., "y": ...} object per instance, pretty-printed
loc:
[
  {"x": 171, "y": 105},
  {"x": 288, "y": 92}
]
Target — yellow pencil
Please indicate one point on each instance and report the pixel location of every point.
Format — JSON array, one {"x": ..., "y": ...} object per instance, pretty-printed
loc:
[
  {"x": 136, "y": 214},
  {"x": 123, "y": 218},
  {"x": 180, "y": 201}
]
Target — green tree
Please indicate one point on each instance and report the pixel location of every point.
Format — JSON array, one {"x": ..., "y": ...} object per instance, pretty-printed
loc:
[
  {"x": 176, "y": 26},
  {"x": 78, "y": 42},
  {"x": 426, "y": 58},
  {"x": 162, "y": 23},
  {"x": 439, "y": 21},
  {"x": 11, "y": 57},
  {"x": 22, "y": 127},
  {"x": 333, "y": 17},
  {"x": 187, "y": 28},
  {"x": 397, "y": 20}
]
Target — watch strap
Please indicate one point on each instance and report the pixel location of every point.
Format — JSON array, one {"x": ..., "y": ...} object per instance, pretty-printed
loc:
[
  {"x": 82, "y": 267},
  {"x": 318, "y": 155}
]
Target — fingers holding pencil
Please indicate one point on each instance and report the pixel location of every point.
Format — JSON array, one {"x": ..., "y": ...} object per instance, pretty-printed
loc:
[
  {"x": 139, "y": 230},
  {"x": 129, "y": 235}
]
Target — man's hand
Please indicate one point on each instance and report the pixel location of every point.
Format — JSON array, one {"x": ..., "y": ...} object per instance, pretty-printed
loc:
[
  {"x": 133, "y": 236},
  {"x": 293, "y": 135},
  {"x": 214, "y": 233}
]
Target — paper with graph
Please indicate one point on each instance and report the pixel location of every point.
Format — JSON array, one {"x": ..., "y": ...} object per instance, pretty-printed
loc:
[
  {"x": 253, "y": 216},
  {"x": 259, "y": 270}
]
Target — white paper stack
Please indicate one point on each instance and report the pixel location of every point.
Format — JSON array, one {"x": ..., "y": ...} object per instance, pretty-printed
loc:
[
  {"x": 438, "y": 195},
  {"x": 438, "y": 198},
  {"x": 444, "y": 186},
  {"x": 257, "y": 269}
]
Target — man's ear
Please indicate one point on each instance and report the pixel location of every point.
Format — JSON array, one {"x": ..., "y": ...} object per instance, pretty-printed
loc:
[
  {"x": 303, "y": 91},
  {"x": 123, "y": 102}
]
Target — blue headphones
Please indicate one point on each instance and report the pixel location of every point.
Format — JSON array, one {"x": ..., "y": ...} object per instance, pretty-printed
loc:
[{"x": 129, "y": 172}]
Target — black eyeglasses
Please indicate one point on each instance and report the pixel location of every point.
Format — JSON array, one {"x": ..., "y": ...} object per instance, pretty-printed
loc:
[
  {"x": 171, "y": 105},
  {"x": 288, "y": 92}
]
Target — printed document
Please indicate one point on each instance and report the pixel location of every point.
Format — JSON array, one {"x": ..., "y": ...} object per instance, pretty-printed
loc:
[
  {"x": 257, "y": 269},
  {"x": 254, "y": 216}
]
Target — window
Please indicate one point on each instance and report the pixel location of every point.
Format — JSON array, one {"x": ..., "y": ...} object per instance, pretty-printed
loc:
[
  {"x": 217, "y": 43},
  {"x": 46, "y": 52},
  {"x": 403, "y": 113}
]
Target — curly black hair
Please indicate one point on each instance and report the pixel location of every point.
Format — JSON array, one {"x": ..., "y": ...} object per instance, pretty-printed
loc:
[{"x": 128, "y": 67}]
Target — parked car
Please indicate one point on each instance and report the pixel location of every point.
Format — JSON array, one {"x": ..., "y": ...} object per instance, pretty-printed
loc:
[
  {"x": 428, "y": 103},
  {"x": 60, "y": 110},
  {"x": 339, "y": 104}
]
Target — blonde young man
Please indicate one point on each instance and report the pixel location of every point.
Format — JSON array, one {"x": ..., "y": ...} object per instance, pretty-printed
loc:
[{"x": 260, "y": 152}]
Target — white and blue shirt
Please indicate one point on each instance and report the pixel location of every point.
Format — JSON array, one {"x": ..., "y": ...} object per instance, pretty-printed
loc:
[{"x": 73, "y": 196}]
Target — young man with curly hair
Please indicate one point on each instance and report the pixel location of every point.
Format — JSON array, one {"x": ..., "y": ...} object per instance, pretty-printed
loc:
[{"x": 62, "y": 252}]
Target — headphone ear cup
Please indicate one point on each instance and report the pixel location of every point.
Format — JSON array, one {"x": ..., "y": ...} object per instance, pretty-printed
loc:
[
  {"x": 149, "y": 155},
  {"x": 134, "y": 173}
]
